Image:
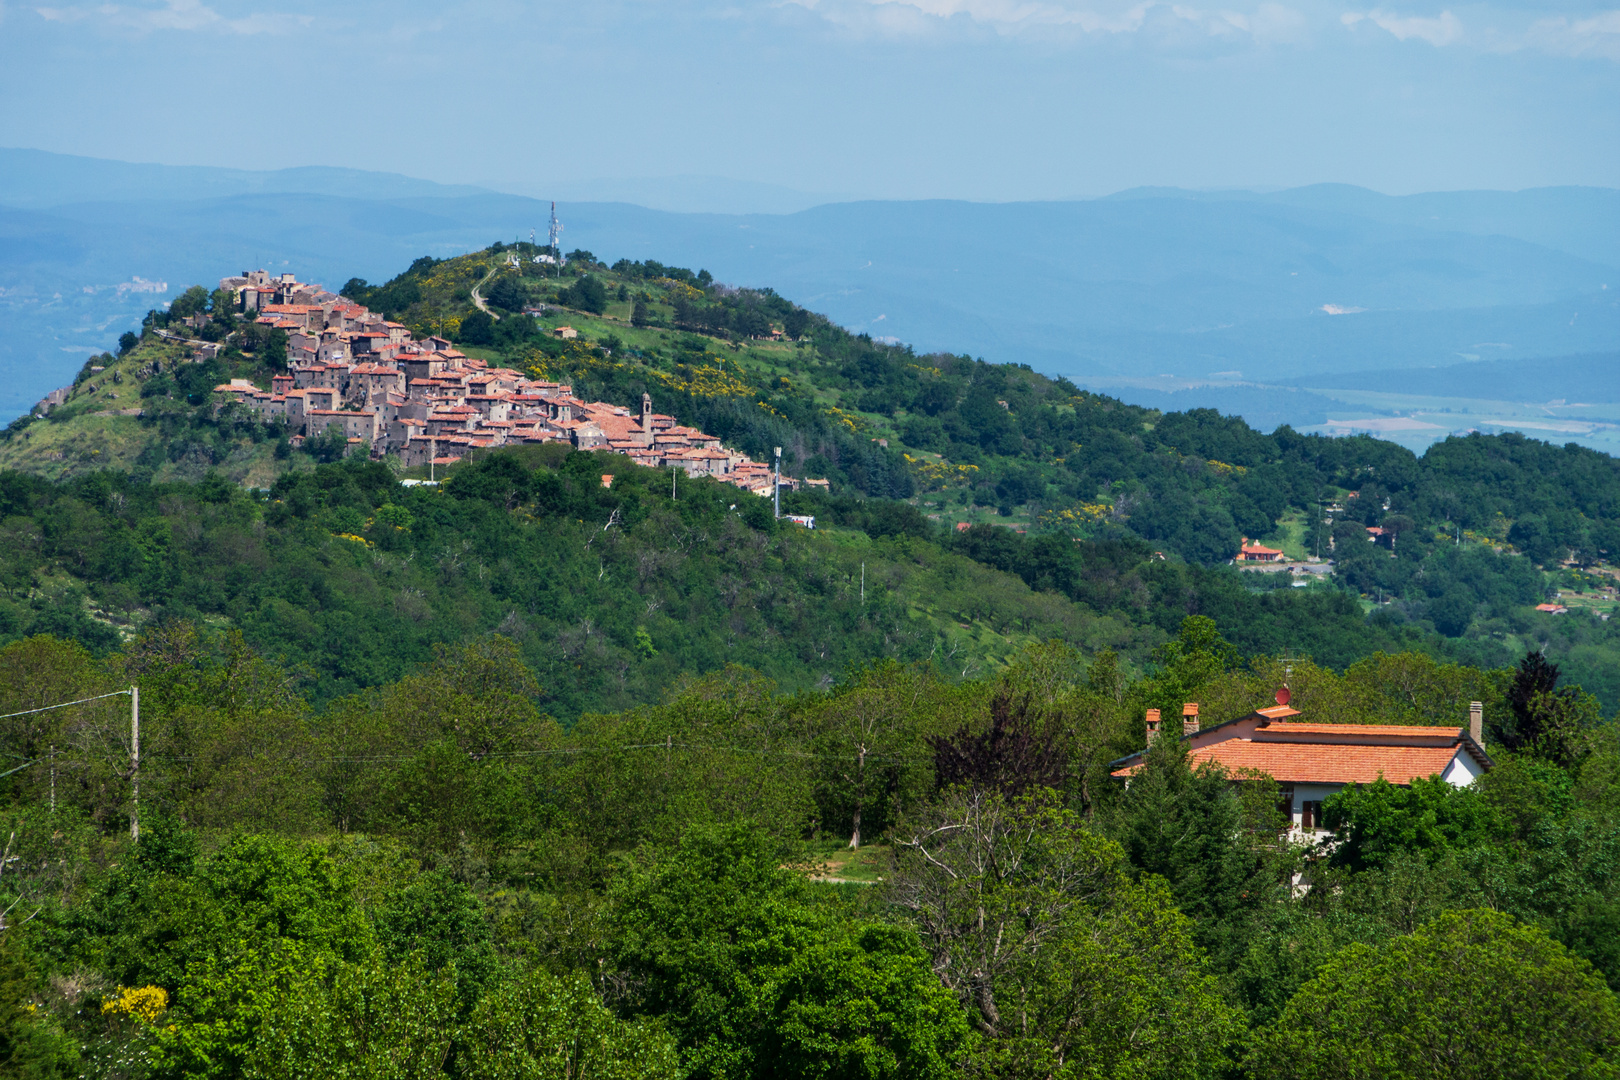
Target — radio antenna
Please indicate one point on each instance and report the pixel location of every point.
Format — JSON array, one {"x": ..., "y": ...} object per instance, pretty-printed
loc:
[{"x": 554, "y": 237}]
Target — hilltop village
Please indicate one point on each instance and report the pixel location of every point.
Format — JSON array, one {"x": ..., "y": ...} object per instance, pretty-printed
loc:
[{"x": 426, "y": 402}]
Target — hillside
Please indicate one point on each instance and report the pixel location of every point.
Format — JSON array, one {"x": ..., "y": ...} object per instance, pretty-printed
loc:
[
  {"x": 575, "y": 759},
  {"x": 914, "y": 449}
]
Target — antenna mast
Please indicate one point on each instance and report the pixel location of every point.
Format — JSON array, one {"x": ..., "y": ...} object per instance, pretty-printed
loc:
[{"x": 554, "y": 235}]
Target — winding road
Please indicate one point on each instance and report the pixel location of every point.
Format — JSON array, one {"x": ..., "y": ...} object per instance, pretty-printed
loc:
[{"x": 478, "y": 298}]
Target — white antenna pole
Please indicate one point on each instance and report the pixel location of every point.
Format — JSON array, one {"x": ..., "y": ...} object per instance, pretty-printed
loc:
[
  {"x": 135, "y": 761},
  {"x": 778, "y": 491},
  {"x": 554, "y": 238}
]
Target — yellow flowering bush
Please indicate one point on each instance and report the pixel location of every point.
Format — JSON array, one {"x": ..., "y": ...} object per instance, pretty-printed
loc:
[
  {"x": 849, "y": 420},
  {"x": 941, "y": 471},
  {"x": 680, "y": 288},
  {"x": 580, "y": 358},
  {"x": 1076, "y": 516},
  {"x": 145, "y": 1003}
]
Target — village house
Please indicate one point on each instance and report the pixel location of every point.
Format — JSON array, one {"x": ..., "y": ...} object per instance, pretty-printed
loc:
[
  {"x": 1253, "y": 551},
  {"x": 1311, "y": 761},
  {"x": 353, "y": 425}
]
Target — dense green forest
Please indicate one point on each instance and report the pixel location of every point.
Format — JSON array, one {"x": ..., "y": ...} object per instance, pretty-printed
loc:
[
  {"x": 612, "y": 594},
  {"x": 521, "y": 775},
  {"x": 434, "y": 878}
]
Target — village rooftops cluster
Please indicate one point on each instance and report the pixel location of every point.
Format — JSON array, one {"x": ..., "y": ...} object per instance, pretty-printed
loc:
[
  {"x": 1311, "y": 761},
  {"x": 368, "y": 378}
]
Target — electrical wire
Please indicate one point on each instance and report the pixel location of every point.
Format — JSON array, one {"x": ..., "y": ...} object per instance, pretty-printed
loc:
[{"x": 65, "y": 704}]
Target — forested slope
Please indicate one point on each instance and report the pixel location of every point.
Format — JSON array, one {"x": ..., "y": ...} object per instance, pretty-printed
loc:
[
  {"x": 433, "y": 877},
  {"x": 525, "y": 775},
  {"x": 1476, "y": 532},
  {"x": 612, "y": 594}
]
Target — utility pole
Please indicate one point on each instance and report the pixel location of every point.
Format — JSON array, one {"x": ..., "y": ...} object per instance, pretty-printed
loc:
[
  {"x": 135, "y": 761},
  {"x": 672, "y": 483},
  {"x": 863, "y": 583},
  {"x": 53, "y": 778},
  {"x": 778, "y": 491}
]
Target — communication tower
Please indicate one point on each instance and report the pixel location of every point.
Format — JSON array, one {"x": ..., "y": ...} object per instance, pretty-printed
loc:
[{"x": 554, "y": 236}]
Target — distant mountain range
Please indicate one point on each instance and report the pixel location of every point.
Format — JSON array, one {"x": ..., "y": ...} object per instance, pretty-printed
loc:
[
  {"x": 36, "y": 179},
  {"x": 1290, "y": 287}
]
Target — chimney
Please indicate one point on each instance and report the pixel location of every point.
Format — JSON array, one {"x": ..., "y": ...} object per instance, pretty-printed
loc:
[
  {"x": 1189, "y": 718},
  {"x": 1476, "y": 722},
  {"x": 1152, "y": 725}
]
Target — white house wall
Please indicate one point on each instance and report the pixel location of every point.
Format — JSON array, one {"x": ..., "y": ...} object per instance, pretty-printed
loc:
[{"x": 1462, "y": 771}]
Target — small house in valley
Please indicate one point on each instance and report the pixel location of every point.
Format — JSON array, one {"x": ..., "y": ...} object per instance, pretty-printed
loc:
[
  {"x": 1253, "y": 551},
  {"x": 1311, "y": 761}
]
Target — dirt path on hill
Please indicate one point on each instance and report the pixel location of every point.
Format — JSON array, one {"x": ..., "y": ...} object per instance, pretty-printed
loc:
[{"x": 478, "y": 298}]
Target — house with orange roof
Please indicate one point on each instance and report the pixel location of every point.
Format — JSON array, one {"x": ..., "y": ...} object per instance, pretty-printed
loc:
[
  {"x": 372, "y": 342},
  {"x": 366, "y": 380},
  {"x": 238, "y": 387},
  {"x": 1253, "y": 551},
  {"x": 1311, "y": 761}
]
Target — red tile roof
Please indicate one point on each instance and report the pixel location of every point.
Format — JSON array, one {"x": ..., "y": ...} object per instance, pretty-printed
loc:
[
  {"x": 1296, "y": 763},
  {"x": 1386, "y": 731}
]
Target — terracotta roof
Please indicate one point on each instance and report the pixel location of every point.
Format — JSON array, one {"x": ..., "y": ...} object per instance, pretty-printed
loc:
[
  {"x": 1319, "y": 763},
  {"x": 1387, "y": 731}
]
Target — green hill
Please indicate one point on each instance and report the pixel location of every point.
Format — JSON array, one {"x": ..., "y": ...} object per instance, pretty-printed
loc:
[
  {"x": 560, "y": 764},
  {"x": 1118, "y": 520}
]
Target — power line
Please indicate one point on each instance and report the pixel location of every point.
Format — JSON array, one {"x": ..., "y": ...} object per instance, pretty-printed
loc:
[
  {"x": 65, "y": 704},
  {"x": 382, "y": 759}
]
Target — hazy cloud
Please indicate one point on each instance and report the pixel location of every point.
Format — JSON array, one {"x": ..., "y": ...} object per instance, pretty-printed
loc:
[
  {"x": 175, "y": 15},
  {"x": 1267, "y": 22},
  {"x": 920, "y": 17},
  {"x": 1595, "y": 35},
  {"x": 1441, "y": 30}
]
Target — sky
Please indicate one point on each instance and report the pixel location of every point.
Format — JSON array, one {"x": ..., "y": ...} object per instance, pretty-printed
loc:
[{"x": 993, "y": 100}]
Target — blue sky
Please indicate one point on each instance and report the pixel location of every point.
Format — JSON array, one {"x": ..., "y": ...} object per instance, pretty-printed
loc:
[{"x": 975, "y": 99}]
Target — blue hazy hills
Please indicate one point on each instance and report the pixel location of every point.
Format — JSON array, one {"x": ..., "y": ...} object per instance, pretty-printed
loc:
[{"x": 1289, "y": 287}]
